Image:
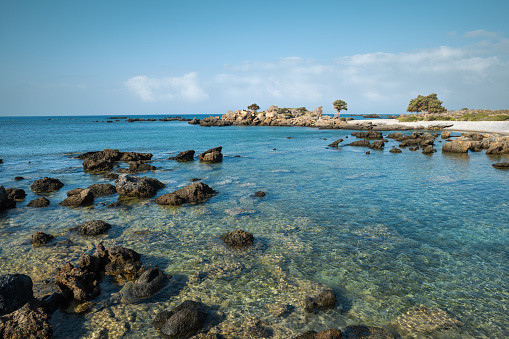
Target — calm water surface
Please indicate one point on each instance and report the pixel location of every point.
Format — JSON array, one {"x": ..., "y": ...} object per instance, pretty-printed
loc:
[{"x": 385, "y": 231}]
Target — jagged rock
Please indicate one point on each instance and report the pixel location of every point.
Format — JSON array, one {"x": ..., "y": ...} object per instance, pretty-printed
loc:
[
  {"x": 77, "y": 284},
  {"x": 395, "y": 135},
  {"x": 41, "y": 239},
  {"x": 212, "y": 155},
  {"x": 102, "y": 190},
  {"x": 184, "y": 156},
  {"x": 98, "y": 165},
  {"x": 39, "y": 202},
  {"x": 457, "y": 146},
  {"x": 427, "y": 319},
  {"x": 93, "y": 227},
  {"x": 147, "y": 285},
  {"x": 361, "y": 143},
  {"x": 46, "y": 185},
  {"x": 30, "y": 321},
  {"x": 368, "y": 332},
  {"x": 325, "y": 334},
  {"x": 134, "y": 156},
  {"x": 238, "y": 238},
  {"x": 84, "y": 198},
  {"x": 503, "y": 165},
  {"x": 498, "y": 147},
  {"x": 183, "y": 321},
  {"x": 193, "y": 193},
  {"x": 335, "y": 143},
  {"x": 194, "y": 121},
  {"x": 377, "y": 144},
  {"x": 326, "y": 299},
  {"x": 16, "y": 193},
  {"x": 133, "y": 187},
  {"x": 52, "y": 302},
  {"x": 136, "y": 167},
  {"x": 122, "y": 261},
  {"x": 15, "y": 291},
  {"x": 5, "y": 201}
]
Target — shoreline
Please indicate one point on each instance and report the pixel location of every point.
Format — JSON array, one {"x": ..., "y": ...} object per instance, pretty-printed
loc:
[{"x": 500, "y": 127}]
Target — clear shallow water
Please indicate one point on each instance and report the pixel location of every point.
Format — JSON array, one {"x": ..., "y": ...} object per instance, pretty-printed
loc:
[{"x": 386, "y": 231}]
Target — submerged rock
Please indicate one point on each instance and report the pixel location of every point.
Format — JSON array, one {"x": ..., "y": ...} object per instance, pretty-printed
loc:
[
  {"x": 102, "y": 190},
  {"x": 83, "y": 198},
  {"x": 133, "y": 187},
  {"x": 326, "y": 299},
  {"x": 122, "y": 261},
  {"x": 136, "y": 167},
  {"x": 39, "y": 202},
  {"x": 93, "y": 227},
  {"x": 325, "y": 334},
  {"x": 98, "y": 165},
  {"x": 368, "y": 332},
  {"x": 238, "y": 238},
  {"x": 395, "y": 150},
  {"x": 212, "y": 155},
  {"x": 147, "y": 285},
  {"x": 18, "y": 178},
  {"x": 41, "y": 239},
  {"x": 46, "y": 185},
  {"x": 15, "y": 291},
  {"x": 260, "y": 194},
  {"x": 196, "y": 192},
  {"x": 30, "y": 321},
  {"x": 181, "y": 322},
  {"x": 427, "y": 319}
]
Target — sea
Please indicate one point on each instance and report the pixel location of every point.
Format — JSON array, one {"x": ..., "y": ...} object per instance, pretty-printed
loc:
[{"x": 388, "y": 233}]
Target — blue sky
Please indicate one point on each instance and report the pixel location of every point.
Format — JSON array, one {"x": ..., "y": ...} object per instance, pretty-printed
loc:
[{"x": 208, "y": 57}]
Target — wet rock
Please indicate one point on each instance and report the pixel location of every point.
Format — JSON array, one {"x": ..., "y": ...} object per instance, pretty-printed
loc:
[
  {"x": 30, "y": 321},
  {"x": 336, "y": 143},
  {"x": 122, "y": 261},
  {"x": 16, "y": 193},
  {"x": 184, "y": 320},
  {"x": 147, "y": 285},
  {"x": 134, "y": 156},
  {"x": 133, "y": 187},
  {"x": 102, "y": 190},
  {"x": 457, "y": 146},
  {"x": 502, "y": 165},
  {"x": 137, "y": 167},
  {"x": 194, "y": 121},
  {"x": 377, "y": 144},
  {"x": 52, "y": 302},
  {"x": 395, "y": 150},
  {"x": 5, "y": 202},
  {"x": 395, "y": 135},
  {"x": 84, "y": 198},
  {"x": 46, "y": 185},
  {"x": 98, "y": 165},
  {"x": 326, "y": 299},
  {"x": 74, "y": 191},
  {"x": 260, "y": 194},
  {"x": 111, "y": 176},
  {"x": 77, "y": 284},
  {"x": 41, "y": 239},
  {"x": 325, "y": 334},
  {"x": 193, "y": 193},
  {"x": 367, "y": 332},
  {"x": 184, "y": 156},
  {"x": 360, "y": 143},
  {"x": 18, "y": 178},
  {"x": 427, "y": 319},
  {"x": 93, "y": 227},
  {"x": 428, "y": 150},
  {"x": 15, "y": 291},
  {"x": 238, "y": 238},
  {"x": 39, "y": 202},
  {"x": 212, "y": 155}
]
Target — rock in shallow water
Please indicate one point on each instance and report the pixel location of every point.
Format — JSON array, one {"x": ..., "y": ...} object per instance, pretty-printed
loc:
[
  {"x": 83, "y": 198},
  {"x": 367, "y": 332},
  {"x": 41, "y": 239},
  {"x": 427, "y": 319},
  {"x": 147, "y": 285},
  {"x": 238, "y": 238},
  {"x": 16, "y": 193},
  {"x": 133, "y": 187},
  {"x": 5, "y": 201},
  {"x": 30, "y": 321},
  {"x": 46, "y": 185},
  {"x": 325, "y": 334},
  {"x": 194, "y": 193},
  {"x": 184, "y": 320},
  {"x": 39, "y": 202},
  {"x": 15, "y": 291},
  {"x": 93, "y": 227}
]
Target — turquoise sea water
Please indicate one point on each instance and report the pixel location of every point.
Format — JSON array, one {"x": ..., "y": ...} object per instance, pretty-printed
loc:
[{"x": 385, "y": 231}]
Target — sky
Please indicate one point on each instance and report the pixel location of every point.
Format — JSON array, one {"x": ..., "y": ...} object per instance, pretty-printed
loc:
[{"x": 208, "y": 57}]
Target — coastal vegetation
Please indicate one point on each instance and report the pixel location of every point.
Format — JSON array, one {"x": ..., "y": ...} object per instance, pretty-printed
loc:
[
  {"x": 464, "y": 114},
  {"x": 339, "y": 105},
  {"x": 426, "y": 104}
]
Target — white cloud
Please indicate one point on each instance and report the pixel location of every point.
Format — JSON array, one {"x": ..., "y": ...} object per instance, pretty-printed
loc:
[
  {"x": 186, "y": 88},
  {"x": 481, "y": 33}
]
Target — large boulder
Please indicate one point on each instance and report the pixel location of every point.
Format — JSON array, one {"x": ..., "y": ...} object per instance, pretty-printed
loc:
[
  {"x": 196, "y": 192},
  {"x": 15, "y": 291},
  {"x": 30, "y": 321},
  {"x": 39, "y": 202},
  {"x": 5, "y": 201},
  {"x": 498, "y": 147},
  {"x": 83, "y": 198},
  {"x": 133, "y": 187},
  {"x": 147, "y": 285},
  {"x": 77, "y": 284},
  {"x": 93, "y": 227},
  {"x": 183, "y": 321},
  {"x": 16, "y": 193},
  {"x": 457, "y": 146},
  {"x": 212, "y": 155},
  {"x": 238, "y": 238},
  {"x": 46, "y": 185}
]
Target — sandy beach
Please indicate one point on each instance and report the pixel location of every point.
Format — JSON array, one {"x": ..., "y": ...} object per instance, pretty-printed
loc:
[{"x": 501, "y": 127}]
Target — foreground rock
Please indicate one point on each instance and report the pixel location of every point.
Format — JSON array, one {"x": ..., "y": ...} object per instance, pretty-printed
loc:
[
  {"x": 181, "y": 322},
  {"x": 238, "y": 238},
  {"x": 503, "y": 165},
  {"x": 93, "y": 227},
  {"x": 15, "y": 291},
  {"x": 212, "y": 155},
  {"x": 326, "y": 299},
  {"x": 196, "y": 192},
  {"x": 5, "y": 201},
  {"x": 30, "y": 321},
  {"x": 39, "y": 202},
  {"x": 77, "y": 284},
  {"x": 133, "y": 187},
  {"x": 147, "y": 285},
  {"x": 16, "y": 194},
  {"x": 46, "y": 185},
  {"x": 83, "y": 198},
  {"x": 41, "y": 239},
  {"x": 325, "y": 334}
]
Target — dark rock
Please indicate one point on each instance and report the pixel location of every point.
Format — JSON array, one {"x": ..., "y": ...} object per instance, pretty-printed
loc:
[
  {"x": 193, "y": 193},
  {"x": 84, "y": 198},
  {"x": 122, "y": 261},
  {"x": 194, "y": 121},
  {"x": 102, "y": 190},
  {"x": 52, "y": 302},
  {"x": 16, "y": 193},
  {"x": 428, "y": 150},
  {"x": 15, "y": 291},
  {"x": 74, "y": 191},
  {"x": 377, "y": 144},
  {"x": 5, "y": 202},
  {"x": 373, "y": 135},
  {"x": 41, "y": 239},
  {"x": 30, "y": 321},
  {"x": 111, "y": 176},
  {"x": 195, "y": 179},
  {"x": 98, "y": 165},
  {"x": 368, "y": 152},
  {"x": 183, "y": 321},
  {"x": 185, "y": 156},
  {"x": 93, "y": 227},
  {"x": 336, "y": 143},
  {"x": 212, "y": 155},
  {"x": 133, "y": 187},
  {"x": 238, "y": 238},
  {"x": 18, "y": 178},
  {"x": 361, "y": 143},
  {"x": 77, "y": 284},
  {"x": 46, "y": 185},
  {"x": 136, "y": 167},
  {"x": 260, "y": 194},
  {"x": 395, "y": 150},
  {"x": 147, "y": 285},
  {"x": 325, "y": 334},
  {"x": 503, "y": 165},
  {"x": 39, "y": 202},
  {"x": 368, "y": 332},
  {"x": 395, "y": 135},
  {"x": 133, "y": 156},
  {"x": 326, "y": 299}
]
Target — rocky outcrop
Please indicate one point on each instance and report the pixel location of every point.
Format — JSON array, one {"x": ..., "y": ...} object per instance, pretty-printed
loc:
[
  {"x": 16, "y": 194},
  {"x": 15, "y": 291},
  {"x": 93, "y": 227},
  {"x": 30, "y": 321},
  {"x": 377, "y": 144},
  {"x": 103, "y": 161},
  {"x": 371, "y": 135},
  {"x": 459, "y": 145},
  {"x": 238, "y": 238},
  {"x": 121, "y": 261},
  {"x": 325, "y": 334},
  {"x": 46, "y": 185},
  {"x": 428, "y": 149},
  {"x": 5, "y": 201},
  {"x": 133, "y": 187},
  {"x": 326, "y": 299},
  {"x": 184, "y": 156},
  {"x": 395, "y": 135},
  {"x": 445, "y": 135},
  {"x": 83, "y": 198},
  {"x": 196, "y": 192},
  {"x": 137, "y": 167},
  {"x": 212, "y": 155},
  {"x": 336, "y": 143},
  {"x": 98, "y": 165},
  {"x": 39, "y": 202},
  {"x": 194, "y": 121},
  {"x": 41, "y": 239},
  {"x": 360, "y": 143},
  {"x": 395, "y": 150},
  {"x": 147, "y": 285},
  {"x": 181, "y": 322},
  {"x": 502, "y": 165}
]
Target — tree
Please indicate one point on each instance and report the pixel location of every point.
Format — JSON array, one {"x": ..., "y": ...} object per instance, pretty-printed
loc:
[
  {"x": 339, "y": 105},
  {"x": 426, "y": 104},
  {"x": 253, "y": 107}
]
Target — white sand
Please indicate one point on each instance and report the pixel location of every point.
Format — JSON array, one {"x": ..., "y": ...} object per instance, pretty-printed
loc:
[{"x": 501, "y": 127}]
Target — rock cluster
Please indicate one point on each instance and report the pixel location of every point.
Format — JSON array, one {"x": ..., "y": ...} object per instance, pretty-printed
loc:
[
  {"x": 102, "y": 161},
  {"x": 476, "y": 142}
]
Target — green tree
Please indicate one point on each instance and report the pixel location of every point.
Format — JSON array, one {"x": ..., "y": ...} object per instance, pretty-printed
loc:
[
  {"x": 253, "y": 107},
  {"x": 426, "y": 104},
  {"x": 339, "y": 105}
]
